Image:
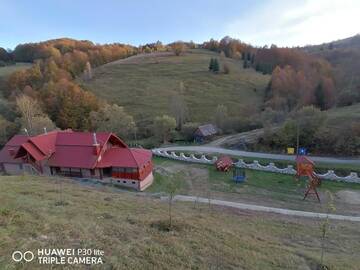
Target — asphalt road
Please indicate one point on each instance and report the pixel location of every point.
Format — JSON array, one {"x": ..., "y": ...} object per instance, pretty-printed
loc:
[{"x": 210, "y": 149}]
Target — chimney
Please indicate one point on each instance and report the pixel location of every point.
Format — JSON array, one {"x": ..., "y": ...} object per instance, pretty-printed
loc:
[{"x": 96, "y": 145}]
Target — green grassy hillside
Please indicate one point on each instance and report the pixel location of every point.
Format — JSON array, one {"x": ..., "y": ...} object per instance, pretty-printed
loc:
[
  {"x": 343, "y": 115},
  {"x": 4, "y": 74},
  {"x": 130, "y": 230},
  {"x": 143, "y": 84}
]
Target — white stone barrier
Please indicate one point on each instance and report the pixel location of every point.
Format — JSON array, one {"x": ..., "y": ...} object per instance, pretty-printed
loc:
[{"x": 353, "y": 177}]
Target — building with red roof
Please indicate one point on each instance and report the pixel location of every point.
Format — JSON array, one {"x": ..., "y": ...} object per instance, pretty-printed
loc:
[
  {"x": 100, "y": 155},
  {"x": 224, "y": 163}
]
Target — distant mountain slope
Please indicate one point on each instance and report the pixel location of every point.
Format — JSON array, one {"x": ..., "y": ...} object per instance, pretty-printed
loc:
[
  {"x": 143, "y": 84},
  {"x": 346, "y": 43},
  {"x": 344, "y": 55}
]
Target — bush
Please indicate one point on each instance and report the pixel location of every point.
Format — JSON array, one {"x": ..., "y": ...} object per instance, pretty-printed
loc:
[
  {"x": 226, "y": 68},
  {"x": 188, "y": 130}
]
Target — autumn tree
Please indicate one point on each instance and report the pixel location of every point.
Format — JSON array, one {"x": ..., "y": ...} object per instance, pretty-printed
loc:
[
  {"x": 179, "y": 110},
  {"x": 178, "y": 47},
  {"x": 88, "y": 71},
  {"x": 5, "y": 57},
  {"x": 69, "y": 105},
  {"x": 188, "y": 130},
  {"x": 29, "y": 108},
  {"x": 221, "y": 115},
  {"x": 32, "y": 118},
  {"x": 7, "y": 129},
  {"x": 113, "y": 118},
  {"x": 163, "y": 125},
  {"x": 40, "y": 124}
]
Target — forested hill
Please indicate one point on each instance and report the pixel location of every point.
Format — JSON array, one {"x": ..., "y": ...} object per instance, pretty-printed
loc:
[
  {"x": 165, "y": 91},
  {"x": 344, "y": 56},
  {"x": 48, "y": 84}
]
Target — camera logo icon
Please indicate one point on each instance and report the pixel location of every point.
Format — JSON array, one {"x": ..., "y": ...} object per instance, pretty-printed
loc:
[{"x": 18, "y": 256}]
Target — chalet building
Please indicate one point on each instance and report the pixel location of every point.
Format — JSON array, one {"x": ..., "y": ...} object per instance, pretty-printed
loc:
[
  {"x": 205, "y": 132},
  {"x": 100, "y": 155}
]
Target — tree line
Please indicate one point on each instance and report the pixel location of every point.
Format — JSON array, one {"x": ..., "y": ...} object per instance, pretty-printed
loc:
[
  {"x": 50, "y": 83},
  {"x": 297, "y": 79}
]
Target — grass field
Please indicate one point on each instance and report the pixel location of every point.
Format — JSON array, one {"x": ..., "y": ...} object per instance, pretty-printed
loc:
[
  {"x": 7, "y": 70},
  {"x": 263, "y": 188},
  {"x": 340, "y": 115},
  {"x": 143, "y": 84},
  {"x": 130, "y": 230}
]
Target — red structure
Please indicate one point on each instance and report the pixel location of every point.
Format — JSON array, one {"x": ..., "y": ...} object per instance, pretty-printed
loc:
[
  {"x": 101, "y": 155},
  {"x": 224, "y": 163},
  {"x": 305, "y": 167}
]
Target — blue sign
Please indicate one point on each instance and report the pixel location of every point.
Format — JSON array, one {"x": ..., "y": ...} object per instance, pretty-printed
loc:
[{"x": 302, "y": 151}]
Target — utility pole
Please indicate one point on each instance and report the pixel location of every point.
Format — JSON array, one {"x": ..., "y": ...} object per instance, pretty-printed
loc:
[{"x": 297, "y": 137}]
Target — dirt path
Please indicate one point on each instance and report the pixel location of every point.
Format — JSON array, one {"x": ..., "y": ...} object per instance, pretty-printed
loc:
[
  {"x": 254, "y": 207},
  {"x": 236, "y": 139}
]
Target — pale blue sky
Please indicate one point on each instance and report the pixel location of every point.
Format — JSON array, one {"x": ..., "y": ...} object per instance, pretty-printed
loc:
[{"x": 285, "y": 23}]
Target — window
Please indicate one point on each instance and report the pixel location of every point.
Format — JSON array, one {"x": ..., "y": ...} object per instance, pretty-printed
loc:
[
  {"x": 124, "y": 182},
  {"x": 118, "y": 181},
  {"x": 92, "y": 172},
  {"x": 133, "y": 182}
]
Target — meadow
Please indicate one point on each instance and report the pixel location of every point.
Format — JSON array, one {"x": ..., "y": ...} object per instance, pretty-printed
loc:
[
  {"x": 144, "y": 84},
  {"x": 42, "y": 212},
  {"x": 261, "y": 188}
]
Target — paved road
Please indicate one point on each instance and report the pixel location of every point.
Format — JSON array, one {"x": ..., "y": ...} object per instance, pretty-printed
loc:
[
  {"x": 211, "y": 149},
  {"x": 253, "y": 207}
]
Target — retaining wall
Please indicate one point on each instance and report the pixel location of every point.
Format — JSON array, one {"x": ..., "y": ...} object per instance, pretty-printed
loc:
[{"x": 353, "y": 177}]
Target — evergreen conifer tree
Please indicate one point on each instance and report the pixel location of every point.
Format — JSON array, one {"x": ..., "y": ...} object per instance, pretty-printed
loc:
[
  {"x": 211, "y": 65},
  {"x": 216, "y": 66}
]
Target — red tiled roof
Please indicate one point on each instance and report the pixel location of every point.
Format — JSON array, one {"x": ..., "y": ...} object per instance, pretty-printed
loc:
[
  {"x": 14, "y": 143},
  {"x": 33, "y": 151},
  {"x": 81, "y": 138},
  {"x": 73, "y": 156},
  {"x": 75, "y": 150},
  {"x": 46, "y": 142},
  {"x": 124, "y": 157}
]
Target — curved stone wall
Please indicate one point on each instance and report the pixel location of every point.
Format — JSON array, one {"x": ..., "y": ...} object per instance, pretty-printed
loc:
[{"x": 330, "y": 175}]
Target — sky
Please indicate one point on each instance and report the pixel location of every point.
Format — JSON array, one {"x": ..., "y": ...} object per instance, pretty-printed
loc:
[{"x": 258, "y": 22}]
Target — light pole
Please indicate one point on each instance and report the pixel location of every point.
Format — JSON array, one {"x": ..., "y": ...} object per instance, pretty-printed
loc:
[{"x": 297, "y": 137}]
